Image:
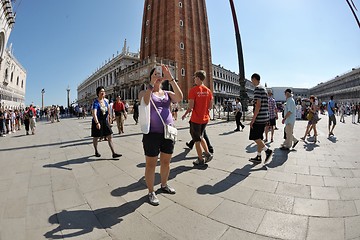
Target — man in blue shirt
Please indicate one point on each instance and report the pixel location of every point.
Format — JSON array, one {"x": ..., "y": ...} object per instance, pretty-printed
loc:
[
  {"x": 289, "y": 121},
  {"x": 331, "y": 114}
]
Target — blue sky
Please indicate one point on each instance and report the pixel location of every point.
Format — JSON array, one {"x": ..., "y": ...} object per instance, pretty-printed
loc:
[{"x": 292, "y": 43}]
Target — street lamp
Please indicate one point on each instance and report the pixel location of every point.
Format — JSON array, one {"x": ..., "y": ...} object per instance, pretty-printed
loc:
[{"x": 42, "y": 98}]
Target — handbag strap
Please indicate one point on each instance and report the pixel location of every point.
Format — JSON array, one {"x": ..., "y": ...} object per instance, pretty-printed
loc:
[{"x": 157, "y": 111}]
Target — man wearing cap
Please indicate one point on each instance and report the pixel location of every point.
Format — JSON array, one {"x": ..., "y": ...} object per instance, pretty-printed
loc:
[{"x": 289, "y": 121}]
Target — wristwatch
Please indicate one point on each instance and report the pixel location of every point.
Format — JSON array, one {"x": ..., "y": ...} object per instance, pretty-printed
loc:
[{"x": 151, "y": 86}]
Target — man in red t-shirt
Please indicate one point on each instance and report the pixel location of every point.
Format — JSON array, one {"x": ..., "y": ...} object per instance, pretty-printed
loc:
[
  {"x": 120, "y": 114},
  {"x": 200, "y": 103}
]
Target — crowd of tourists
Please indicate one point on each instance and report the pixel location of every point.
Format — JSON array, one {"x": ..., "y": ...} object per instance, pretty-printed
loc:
[
  {"x": 12, "y": 120},
  {"x": 156, "y": 110}
]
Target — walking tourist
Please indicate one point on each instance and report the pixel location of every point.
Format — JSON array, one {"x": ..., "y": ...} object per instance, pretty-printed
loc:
[
  {"x": 207, "y": 140},
  {"x": 272, "y": 115},
  {"x": 313, "y": 117},
  {"x": 289, "y": 121},
  {"x": 353, "y": 113},
  {"x": 100, "y": 125},
  {"x": 136, "y": 111},
  {"x": 259, "y": 120},
  {"x": 238, "y": 115},
  {"x": 154, "y": 142},
  {"x": 331, "y": 115},
  {"x": 200, "y": 104},
  {"x": 120, "y": 114}
]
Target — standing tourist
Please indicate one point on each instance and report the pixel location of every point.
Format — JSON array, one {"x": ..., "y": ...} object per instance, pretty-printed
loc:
[
  {"x": 289, "y": 121},
  {"x": 2, "y": 133},
  {"x": 120, "y": 114},
  {"x": 238, "y": 115},
  {"x": 353, "y": 113},
  {"x": 272, "y": 115},
  {"x": 100, "y": 125},
  {"x": 313, "y": 119},
  {"x": 342, "y": 113},
  {"x": 331, "y": 115},
  {"x": 136, "y": 111},
  {"x": 259, "y": 120},
  {"x": 200, "y": 104},
  {"x": 27, "y": 120},
  {"x": 32, "y": 117},
  {"x": 154, "y": 142}
]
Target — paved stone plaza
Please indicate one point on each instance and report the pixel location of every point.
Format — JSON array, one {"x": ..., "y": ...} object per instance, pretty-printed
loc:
[{"x": 52, "y": 187}]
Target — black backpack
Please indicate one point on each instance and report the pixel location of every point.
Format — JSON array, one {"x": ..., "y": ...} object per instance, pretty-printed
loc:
[{"x": 31, "y": 113}]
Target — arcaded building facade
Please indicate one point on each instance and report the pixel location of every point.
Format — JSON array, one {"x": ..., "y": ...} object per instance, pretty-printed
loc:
[
  {"x": 178, "y": 30},
  {"x": 124, "y": 75},
  {"x": 344, "y": 88},
  {"x": 227, "y": 86}
]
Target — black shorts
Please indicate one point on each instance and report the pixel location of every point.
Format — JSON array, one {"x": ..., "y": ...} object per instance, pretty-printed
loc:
[
  {"x": 332, "y": 119},
  {"x": 272, "y": 122},
  {"x": 197, "y": 131},
  {"x": 257, "y": 131},
  {"x": 154, "y": 143}
]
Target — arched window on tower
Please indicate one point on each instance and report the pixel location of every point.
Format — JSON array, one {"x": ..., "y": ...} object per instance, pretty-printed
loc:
[
  {"x": 182, "y": 46},
  {"x": 183, "y": 72},
  {"x": 181, "y": 23},
  {"x": 180, "y": 4},
  {"x": 145, "y": 39},
  {"x": 147, "y": 22},
  {"x": 148, "y": 7}
]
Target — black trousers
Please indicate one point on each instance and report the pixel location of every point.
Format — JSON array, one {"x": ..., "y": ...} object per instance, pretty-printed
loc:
[
  {"x": 211, "y": 149},
  {"x": 238, "y": 120},
  {"x": 27, "y": 124}
]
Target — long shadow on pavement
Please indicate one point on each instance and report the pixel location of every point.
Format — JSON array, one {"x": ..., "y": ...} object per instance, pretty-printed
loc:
[
  {"x": 81, "y": 160},
  {"x": 278, "y": 159},
  {"x": 231, "y": 180},
  {"x": 85, "y": 221},
  {"x": 140, "y": 184}
]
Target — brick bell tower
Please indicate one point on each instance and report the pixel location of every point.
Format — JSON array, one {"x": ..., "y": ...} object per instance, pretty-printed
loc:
[{"x": 178, "y": 30}]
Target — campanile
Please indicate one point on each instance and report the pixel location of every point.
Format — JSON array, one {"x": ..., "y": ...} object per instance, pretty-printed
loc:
[{"x": 178, "y": 30}]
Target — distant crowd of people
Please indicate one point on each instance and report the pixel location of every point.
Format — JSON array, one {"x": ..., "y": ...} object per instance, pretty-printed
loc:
[{"x": 13, "y": 120}]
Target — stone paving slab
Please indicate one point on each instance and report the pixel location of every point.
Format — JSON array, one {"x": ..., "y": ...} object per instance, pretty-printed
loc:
[{"x": 51, "y": 186}]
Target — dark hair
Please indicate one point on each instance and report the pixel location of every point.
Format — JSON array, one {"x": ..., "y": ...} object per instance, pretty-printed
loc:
[
  {"x": 331, "y": 97},
  {"x": 98, "y": 89},
  {"x": 312, "y": 97},
  {"x": 238, "y": 99},
  {"x": 256, "y": 76},
  {"x": 201, "y": 74},
  {"x": 151, "y": 73}
]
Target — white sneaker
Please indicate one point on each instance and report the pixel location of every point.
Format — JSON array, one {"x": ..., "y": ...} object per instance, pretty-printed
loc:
[{"x": 153, "y": 199}]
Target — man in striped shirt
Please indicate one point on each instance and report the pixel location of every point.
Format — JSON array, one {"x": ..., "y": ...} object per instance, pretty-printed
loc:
[{"x": 259, "y": 120}]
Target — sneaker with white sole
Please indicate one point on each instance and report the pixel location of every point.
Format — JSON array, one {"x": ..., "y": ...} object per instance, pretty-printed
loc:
[
  {"x": 153, "y": 200},
  {"x": 208, "y": 157},
  {"x": 168, "y": 189}
]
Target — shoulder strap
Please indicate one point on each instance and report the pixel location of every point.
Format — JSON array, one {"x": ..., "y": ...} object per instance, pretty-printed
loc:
[{"x": 157, "y": 111}]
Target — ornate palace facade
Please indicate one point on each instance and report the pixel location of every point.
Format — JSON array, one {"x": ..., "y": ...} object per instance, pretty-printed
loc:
[{"x": 12, "y": 73}]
